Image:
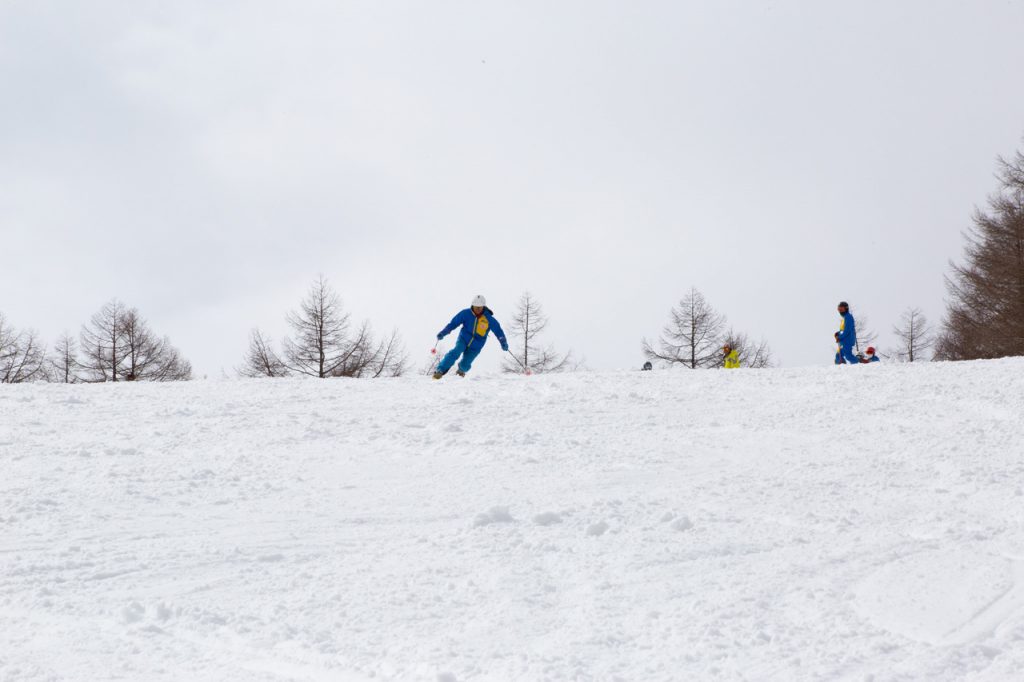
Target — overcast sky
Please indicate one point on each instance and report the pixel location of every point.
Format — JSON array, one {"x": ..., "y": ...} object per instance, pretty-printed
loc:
[{"x": 205, "y": 161}]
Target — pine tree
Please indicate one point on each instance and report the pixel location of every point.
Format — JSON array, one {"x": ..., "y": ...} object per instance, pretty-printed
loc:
[{"x": 985, "y": 308}]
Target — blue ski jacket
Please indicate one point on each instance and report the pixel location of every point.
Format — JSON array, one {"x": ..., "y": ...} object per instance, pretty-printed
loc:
[
  {"x": 475, "y": 329},
  {"x": 847, "y": 336}
]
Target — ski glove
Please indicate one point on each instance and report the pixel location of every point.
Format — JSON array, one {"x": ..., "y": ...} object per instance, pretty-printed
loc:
[
  {"x": 439, "y": 337},
  {"x": 504, "y": 347}
]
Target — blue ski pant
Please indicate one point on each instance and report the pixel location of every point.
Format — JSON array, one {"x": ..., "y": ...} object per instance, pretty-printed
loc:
[
  {"x": 846, "y": 353},
  {"x": 468, "y": 356}
]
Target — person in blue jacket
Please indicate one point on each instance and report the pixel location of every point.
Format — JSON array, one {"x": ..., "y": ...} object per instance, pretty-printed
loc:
[
  {"x": 476, "y": 322},
  {"x": 846, "y": 337}
]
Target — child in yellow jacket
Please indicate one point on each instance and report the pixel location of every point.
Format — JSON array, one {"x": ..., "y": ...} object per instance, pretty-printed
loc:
[{"x": 732, "y": 358}]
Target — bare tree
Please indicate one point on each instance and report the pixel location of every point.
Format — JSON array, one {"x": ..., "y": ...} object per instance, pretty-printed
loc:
[
  {"x": 866, "y": 336},
  {"x": 118, "y": 345},
  {"x": 577, "y": 363},
  {"x": 322, "y": 342},
  {"x": 261, "y": 360},
  {"x": 528, "y": 322},
  {"x": 327, "y": 344},
  {"x": 64, "y": 361},
  {"x": 22, "y": 357},
  {"x": 146, "y": 355},
  {"x": 985, "y": 309},
  {"x": 915, "y": 335},
  {"x": 757, "y": 355},
  {"x": 102, "y": 348},
  {"x": 168, "y": 365},
  {"x": 390, "y": 358},
  {"x": 692, "y": 337}
]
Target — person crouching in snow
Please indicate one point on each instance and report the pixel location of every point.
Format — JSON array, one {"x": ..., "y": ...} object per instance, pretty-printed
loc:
[
  {"x": 476, "y": 321},
  {"x": 869, "y": 355},
  {"x": 731, "y": 357}
]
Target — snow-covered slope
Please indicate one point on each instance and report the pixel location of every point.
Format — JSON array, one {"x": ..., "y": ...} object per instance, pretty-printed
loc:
[{"x": 830, "y": 523}]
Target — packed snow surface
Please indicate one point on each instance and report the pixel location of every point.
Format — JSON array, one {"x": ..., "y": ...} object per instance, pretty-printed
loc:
[{"x": 847, "y": 523}]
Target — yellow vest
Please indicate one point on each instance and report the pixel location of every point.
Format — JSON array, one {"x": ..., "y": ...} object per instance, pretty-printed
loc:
[{"x": 732, "y": 360}]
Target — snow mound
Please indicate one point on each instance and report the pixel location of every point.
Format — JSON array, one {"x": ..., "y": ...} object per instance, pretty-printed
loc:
[
  {"x": 547, "y": 518},
  {"x": 494, "y": 515},
  {"x": 682, "y": 523}
]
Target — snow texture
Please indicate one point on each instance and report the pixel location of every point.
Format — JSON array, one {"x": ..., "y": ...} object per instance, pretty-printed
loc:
[{"x": 841, "y": 523}]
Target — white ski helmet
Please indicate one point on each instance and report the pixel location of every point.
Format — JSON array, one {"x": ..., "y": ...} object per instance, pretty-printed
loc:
[{"x": 479, "y": 301}]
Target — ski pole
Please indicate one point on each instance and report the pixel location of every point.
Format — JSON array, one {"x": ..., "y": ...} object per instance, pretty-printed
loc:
[{"x": 526, "y": 369}]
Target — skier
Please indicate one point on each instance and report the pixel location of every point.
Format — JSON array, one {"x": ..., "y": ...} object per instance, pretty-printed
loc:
[
  {"x": 476, "y": 322},
  {"x": 731, "y": 357},
  {"x": 869, "y": 355},
  {"x": 846, "y": 337}
]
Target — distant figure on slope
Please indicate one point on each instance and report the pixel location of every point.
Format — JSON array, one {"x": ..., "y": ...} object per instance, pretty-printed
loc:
[
  {"x": 846, "y": 337},
  {"x": 476, "y": 321},
  {"x": 869, "y": 356},
  {"x": 647, "y": 367},
  {"x": 730, "y": 357}
]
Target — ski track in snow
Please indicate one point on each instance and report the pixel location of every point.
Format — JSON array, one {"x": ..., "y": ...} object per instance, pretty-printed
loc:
[{"x": 802, "y": 524}]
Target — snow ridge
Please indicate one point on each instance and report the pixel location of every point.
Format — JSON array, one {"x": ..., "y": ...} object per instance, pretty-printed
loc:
[{"x": 802, "y": 524}]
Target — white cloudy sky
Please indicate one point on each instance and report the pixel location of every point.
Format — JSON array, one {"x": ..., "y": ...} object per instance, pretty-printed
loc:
[{"x": 205, "y": 161}]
